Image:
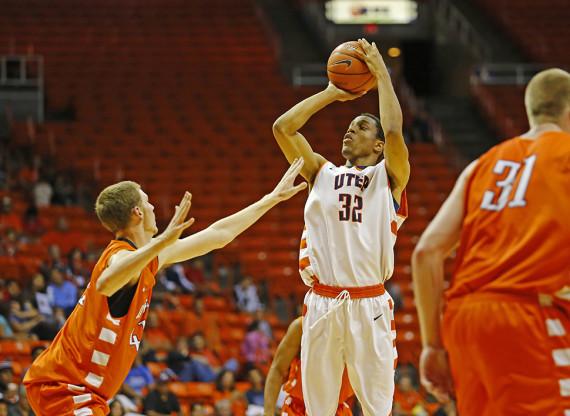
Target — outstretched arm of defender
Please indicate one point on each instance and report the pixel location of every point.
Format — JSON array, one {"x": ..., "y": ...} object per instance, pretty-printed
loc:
[
  {"x": 225, "y": 230},
  {"x": 286, "y": 129},
  {"x": 395, "y": 149},
  {"x": 440, "y": 237},
  {"x": 125, "y": 267},
  {"x": 287, "y": 350}
]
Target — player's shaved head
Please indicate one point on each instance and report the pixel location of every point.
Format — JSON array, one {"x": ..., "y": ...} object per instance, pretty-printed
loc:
[
  {"x": 115, "y": 203},
  {"x": 547, "y": 96}
]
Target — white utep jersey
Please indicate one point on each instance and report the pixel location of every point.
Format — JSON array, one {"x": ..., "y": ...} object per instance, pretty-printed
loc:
[{"x": 350, "y": 227}]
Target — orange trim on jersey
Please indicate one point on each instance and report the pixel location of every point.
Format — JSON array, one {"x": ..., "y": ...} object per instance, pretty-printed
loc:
[
  {"x": 394, "y": 227},
  {"x": 304, "y": 263},
  {"x": 391, "y": 304},
  {"x": 303, "y": 243},
  {"x": 393, "y": 325},
  {"x": 355, "y": 292}
]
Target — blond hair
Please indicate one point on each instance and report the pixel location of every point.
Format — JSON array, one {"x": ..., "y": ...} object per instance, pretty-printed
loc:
[
  {"x": 115, "y": 203},
  {"x": 547, "y": 95}
]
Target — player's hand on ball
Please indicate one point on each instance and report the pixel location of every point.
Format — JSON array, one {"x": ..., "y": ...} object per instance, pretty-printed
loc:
[
  {"x": 373, "y": 58},
  {"x": 342, "y": 95},
  {"x": 435, "y": 374},
  {"x": 286, "y": 188}
]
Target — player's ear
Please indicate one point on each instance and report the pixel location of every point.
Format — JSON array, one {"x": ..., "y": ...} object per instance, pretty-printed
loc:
[
  {"x": 137, "y": 212},
  {"x": 379, "y": 146}
]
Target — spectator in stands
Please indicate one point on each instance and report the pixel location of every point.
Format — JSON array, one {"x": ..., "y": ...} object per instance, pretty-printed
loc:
[
  {"x": 24, "y": 322},
  {"x": 406, "y": 394},
  {"x": 177, "y": 275},
  {"x": 138, "y": 380},
  {"x": 76, "y": 268},
  {"x": 226, "y": 390},
  {"x": 179, "y": 360},
  {"x": 264, "y": 325},
  {"x": 54, "y": 260},
  {"x": 247, "y": 299},
  {"x": 223, "y": 408},
  {"x": 223, "y": 275},
  {"x": 33, "y": 226},
  {"x": 8, "y": 218},
  {"x": 10, "y": 244},
  {"x": 6, "y": 377},
  {"x": 255, "y": 347},
  {"x": 42, "y": 193},
  {"x": 198, "y": 409},
  {"x": 255, "y": 394},
  {"x": 160, "y": 401},
  {"x": 22, "y": 408},
  {"x": 3, "y": 408},
  {"x": 63, "y": 191},
  {"x": 205, "y": 362},
  {"x": 62, "y": 293},
  {"x": 117, "y": 408},
  {"x": 6, "y": 331},
  {"x": 200, "y": 320}
]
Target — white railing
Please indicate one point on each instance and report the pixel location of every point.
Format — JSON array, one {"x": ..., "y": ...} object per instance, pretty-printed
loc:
[{"x": 505, "y": 74}]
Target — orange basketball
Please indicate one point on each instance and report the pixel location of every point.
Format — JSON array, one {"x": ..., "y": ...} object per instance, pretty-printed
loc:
[{"x": 347, "y": 71}]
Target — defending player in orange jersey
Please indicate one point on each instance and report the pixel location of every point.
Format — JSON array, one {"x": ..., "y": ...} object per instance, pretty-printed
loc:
[
  {"x": 506, "y": 325},
  {"x": 287, "y": 363},
  {"x": 90, "y": 357}
]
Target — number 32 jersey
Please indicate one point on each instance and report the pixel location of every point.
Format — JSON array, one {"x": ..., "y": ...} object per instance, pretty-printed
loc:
[
  {"x": 351, "y": 224},
  {"x": 516, "y": 227}
]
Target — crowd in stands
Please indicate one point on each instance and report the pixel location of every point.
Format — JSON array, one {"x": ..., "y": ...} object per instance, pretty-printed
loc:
[{"x": 208, "y": 323}]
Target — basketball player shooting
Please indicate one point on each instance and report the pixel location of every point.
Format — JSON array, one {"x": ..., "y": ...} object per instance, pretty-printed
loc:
[
  {"x": 90, "y": 357},
  {"x": 507, "y": 313},
  {"x": 352, "y": 215}
]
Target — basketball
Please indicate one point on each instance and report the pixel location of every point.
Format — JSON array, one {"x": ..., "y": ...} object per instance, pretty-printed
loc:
[{"x": 347, "y": 71}]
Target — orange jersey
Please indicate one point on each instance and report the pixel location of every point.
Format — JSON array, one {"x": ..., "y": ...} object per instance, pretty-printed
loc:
[
  {"x": 516, "y": 225},
  {"x": 93, "y": 350},
  {"x": 293, "y": 386}
]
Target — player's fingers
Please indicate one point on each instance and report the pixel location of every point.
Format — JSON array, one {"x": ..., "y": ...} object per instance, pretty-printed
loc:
[
  {"x": 188, "y": 223},
  {"x": 300, "y": 187}
]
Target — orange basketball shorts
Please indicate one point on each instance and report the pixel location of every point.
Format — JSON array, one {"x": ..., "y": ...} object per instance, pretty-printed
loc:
[
  {"x": 508, "y": 355},
  {"x": 62, "y": 399}
]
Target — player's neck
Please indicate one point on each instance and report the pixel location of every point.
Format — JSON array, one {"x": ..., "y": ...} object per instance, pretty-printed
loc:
[
  {"x": 136, "y": 235},
  {"x": 362, "y": 161},
  {"x": 538, "y": 129}
]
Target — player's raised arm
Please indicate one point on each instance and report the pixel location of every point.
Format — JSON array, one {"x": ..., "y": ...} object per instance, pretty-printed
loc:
[
  {"x": 395, "y": 149},
  {"x": 125, "y": 267},
  {"x": 287, "y": 350},
  {"x": 292, "y": 142},
  {"x": 225, "y": 230},
  {"x": 440, "y": 237}
]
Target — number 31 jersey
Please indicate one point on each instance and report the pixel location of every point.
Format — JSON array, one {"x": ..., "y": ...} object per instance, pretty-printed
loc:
[
  {"x": 351, "y": 224},
  {"x": 516, "y": 228}
]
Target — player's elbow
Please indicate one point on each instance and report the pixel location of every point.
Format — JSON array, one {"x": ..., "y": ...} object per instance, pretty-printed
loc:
[
  {"x": 281, "y": 127},
  {"x": 425, "y": 251}
]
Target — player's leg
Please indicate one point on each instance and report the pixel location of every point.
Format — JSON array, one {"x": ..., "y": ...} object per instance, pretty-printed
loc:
[
  {"x": 322, "y": 361},
  {"x": 371, "y": 353}
]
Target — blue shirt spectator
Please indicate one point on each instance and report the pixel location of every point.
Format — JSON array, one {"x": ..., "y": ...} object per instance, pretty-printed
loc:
[{"x": 62, "y": 293}]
